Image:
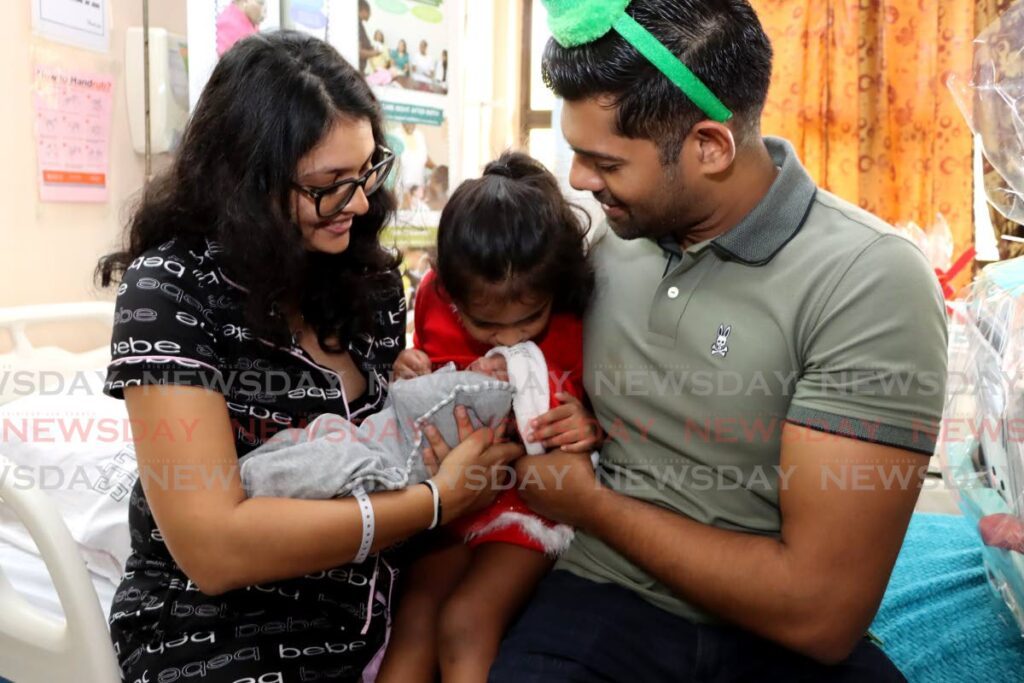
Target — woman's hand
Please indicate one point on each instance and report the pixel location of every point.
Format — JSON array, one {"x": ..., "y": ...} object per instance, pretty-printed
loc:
[
  {"x": 412, "y": 363},
  {"x": 470, "y": 475},
  {"x": 569, "y": 427}
]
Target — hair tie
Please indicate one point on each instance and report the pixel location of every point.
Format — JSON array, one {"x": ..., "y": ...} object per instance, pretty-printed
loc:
[{"x": 498, "y": 168}]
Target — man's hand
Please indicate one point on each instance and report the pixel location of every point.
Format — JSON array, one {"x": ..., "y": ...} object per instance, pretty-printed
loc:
[
  {"x": 412, "y": 363},
  {"x": 844, "y": 505},
  {"x": 560, "y": 486},
  {"x": 569, "y": 427}
]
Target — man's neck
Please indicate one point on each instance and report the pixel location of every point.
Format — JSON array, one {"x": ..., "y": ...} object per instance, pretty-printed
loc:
[{"x": 747, "y": 183}]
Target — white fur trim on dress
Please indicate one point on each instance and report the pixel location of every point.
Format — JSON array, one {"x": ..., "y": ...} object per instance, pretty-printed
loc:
[{"x": 554, "y": 539}]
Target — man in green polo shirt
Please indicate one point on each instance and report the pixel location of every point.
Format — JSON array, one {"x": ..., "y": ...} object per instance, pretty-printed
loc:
[{"x": 768, "y": 362}]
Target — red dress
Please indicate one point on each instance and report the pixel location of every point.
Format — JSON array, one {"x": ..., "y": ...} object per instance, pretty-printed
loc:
[{"x": 439, "y": 333}]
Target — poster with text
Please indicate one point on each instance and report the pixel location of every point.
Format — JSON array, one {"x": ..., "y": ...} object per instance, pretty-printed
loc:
[
  {"x": 82, "y": 23},
  {"x": 405, "y": 49},
  {"x": 73, "y": 112}
]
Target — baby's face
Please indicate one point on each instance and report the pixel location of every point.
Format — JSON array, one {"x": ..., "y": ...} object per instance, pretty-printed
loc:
[{"x": 498, "y": 322}]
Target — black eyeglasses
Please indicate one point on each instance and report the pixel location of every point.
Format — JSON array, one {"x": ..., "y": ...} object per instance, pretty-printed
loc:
[{"x": 332, "y": 199}]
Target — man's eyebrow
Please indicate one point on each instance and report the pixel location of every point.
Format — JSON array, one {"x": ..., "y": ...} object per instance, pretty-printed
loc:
[{"x": 598, "y": 155}]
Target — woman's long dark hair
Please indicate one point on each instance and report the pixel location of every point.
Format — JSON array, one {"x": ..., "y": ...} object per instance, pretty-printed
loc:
[
  {"x": 269, "y": 102},
  {"x": 514, "y": 227}
]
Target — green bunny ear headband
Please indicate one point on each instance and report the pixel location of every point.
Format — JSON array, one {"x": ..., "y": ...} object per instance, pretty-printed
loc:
[{"x": 577, "y": 22}]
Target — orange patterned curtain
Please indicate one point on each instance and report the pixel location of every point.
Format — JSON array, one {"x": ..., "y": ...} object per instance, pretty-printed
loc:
[{"x": 859, "y": 88}]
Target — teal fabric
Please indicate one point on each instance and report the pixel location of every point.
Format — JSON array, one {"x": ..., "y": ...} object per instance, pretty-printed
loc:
[{"x": 939, "y": 621}]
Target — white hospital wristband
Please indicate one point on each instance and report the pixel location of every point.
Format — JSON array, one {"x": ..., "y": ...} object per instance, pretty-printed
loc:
[{"x": 366, "y": 511}]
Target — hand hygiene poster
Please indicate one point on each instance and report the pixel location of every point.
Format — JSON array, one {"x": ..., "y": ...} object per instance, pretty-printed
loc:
[{"x": 73, "y": 112}]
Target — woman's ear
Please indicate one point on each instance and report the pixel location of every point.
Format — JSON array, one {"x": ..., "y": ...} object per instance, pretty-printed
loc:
[{"x": 715, "y": 146}]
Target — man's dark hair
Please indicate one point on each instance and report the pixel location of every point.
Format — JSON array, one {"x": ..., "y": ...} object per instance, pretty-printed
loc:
[
  {"x": 721, "y": 41},
  {"x": 363, "y": 5}
]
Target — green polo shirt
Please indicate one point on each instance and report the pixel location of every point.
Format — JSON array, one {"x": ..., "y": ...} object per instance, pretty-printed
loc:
[{"x": 810, "y": 311}]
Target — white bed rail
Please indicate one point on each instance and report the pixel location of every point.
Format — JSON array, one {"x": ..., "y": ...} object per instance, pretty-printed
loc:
[{"x": 35, "y": 648}]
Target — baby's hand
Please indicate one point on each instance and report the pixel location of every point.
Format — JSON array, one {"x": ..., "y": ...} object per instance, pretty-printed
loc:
[
  {"x": 570, "y": 427},
  {"x": 412, "y": 363},
  {"x": 495, "y": 366}
]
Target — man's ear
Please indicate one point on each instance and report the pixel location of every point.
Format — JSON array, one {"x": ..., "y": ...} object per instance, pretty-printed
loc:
[{"x": 715, "y": 146}]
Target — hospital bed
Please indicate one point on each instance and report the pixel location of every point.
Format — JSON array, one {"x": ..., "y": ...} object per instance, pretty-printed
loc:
[{"x": 55, "y": 592}]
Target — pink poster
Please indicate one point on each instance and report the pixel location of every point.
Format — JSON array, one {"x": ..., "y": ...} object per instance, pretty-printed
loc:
[{"x": 73, "y": 118}]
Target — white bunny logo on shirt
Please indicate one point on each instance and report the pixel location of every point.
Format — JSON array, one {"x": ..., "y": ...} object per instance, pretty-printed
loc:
[{"x": 720, "y": 348}]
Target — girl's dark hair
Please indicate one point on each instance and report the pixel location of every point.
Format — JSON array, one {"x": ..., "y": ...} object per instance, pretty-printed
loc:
[
  {"x": 269, "y": 102},
  {"x": 514, "y": 227}
]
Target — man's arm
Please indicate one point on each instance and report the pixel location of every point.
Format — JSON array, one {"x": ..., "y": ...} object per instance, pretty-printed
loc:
[
  {"x": 845, "y": 506},
  {"x": 873, "y": 366}
]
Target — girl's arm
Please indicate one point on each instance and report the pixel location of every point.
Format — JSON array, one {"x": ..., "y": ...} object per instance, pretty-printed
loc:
[
  {"x": 412, "y": 363},
  {"x": 223, "y": 541},
  {"x": 415, "y": 362}
]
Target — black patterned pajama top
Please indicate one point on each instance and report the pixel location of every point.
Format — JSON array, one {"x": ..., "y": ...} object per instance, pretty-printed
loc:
[{"x": 179, "y": 321}]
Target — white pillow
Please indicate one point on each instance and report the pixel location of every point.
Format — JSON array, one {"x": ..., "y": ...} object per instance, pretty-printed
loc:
[
  {"x": 52, "y": 370},
  {"x": 78, "y": 449}
]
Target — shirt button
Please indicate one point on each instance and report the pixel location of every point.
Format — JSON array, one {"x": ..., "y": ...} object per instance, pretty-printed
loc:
[{"x": 673, "y": 292}]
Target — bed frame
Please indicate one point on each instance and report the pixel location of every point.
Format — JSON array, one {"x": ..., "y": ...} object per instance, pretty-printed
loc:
[{"x": 34, "y": 647}]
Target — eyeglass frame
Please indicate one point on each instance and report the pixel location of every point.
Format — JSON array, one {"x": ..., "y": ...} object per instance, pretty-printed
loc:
[{"x": 318, "y": 193}]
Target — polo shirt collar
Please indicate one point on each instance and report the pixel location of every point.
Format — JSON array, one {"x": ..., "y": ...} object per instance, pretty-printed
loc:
[{"x": 774, "y": 221}]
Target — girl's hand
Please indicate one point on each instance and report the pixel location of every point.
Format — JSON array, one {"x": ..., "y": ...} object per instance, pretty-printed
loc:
[
  {"x": 412, "y": 363},
  {"x": 569, "y": 427},
  {"x": 469, "y": 476}
]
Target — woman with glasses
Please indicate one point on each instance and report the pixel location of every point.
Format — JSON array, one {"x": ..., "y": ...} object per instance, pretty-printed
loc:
[{"x": 254, "y": 296}]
